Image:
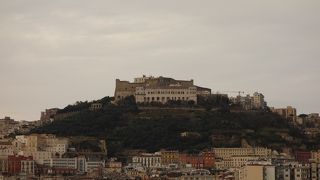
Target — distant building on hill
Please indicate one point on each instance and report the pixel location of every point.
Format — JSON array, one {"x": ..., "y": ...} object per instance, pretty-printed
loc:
[
  {"x": 7, "y": 126},
  {"x": 254, "y": 102},
  {"x": 289, "y": 112},
  {"x": 48, "y": 115},
  {"x": 159, "y": 89},
  {"x": 95, "y": 106}
]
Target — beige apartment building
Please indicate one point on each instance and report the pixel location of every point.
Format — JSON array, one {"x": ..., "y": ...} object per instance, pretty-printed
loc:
[
  {"x": 251, "y": 172},
  {"x": 38, "y": 156},
  {"x": 169, "y": 157},
  {"x": 257, "y": 172},
  {"x": 248, "y": 102},
  {"x": 258, "y": 101},
  {"x": 237, "y": 157},
  {"x": 159, "y": 89},
  {"x": 235, "y": 161},
  {"x": 41, "y": 146},
  {"x": 148, "y": 160},
  {"x": 229, "y": 152}
]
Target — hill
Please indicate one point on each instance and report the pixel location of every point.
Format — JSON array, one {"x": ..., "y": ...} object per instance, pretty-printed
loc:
[{"x": 185, "y": 129}]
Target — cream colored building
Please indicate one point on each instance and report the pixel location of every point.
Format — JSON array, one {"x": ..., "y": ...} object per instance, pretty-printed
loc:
[
  {"x": 32, "y": 142},
  {"x": 258, "y": 170},
  {"x": 38, "y": 156},
  {"x": 235, "y": 161},
  {"x": 229, "y": 152},
  {"x": 148, "y": 160},
  {"x": 258, "y": 101},
  {"x": 159, "y": 89},
  {"x": 165, "y": 94},
  {"x": 251, "y": 172},
  {"x": 46, "y": 142}
]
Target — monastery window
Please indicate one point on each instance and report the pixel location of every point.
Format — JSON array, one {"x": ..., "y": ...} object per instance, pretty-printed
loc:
[
  {"x": 152, "y": 98},
  {"x": 158, "y": 98}
]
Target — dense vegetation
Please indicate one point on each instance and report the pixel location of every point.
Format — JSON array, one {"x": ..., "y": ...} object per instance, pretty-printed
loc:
[{"x": 126, "y": 127}]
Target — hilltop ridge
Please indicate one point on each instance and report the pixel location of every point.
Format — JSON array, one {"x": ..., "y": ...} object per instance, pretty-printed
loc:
[{"x": 128, "y": 126}]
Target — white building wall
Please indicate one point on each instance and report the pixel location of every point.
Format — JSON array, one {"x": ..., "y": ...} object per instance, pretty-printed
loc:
[{"x": 164, "y": 95}]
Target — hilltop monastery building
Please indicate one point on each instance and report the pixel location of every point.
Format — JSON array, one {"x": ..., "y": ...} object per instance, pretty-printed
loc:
[{"x": 159, "y": 89}]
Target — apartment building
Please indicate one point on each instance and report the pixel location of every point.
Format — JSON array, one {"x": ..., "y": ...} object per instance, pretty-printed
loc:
[
  {"x": 229, "y": 152},
  {"x": 45, "y": 142},
  {"x": 248, "y": 102},
  {"x": 258, "y": 101},
  {"x": 38, "y": 156},
  {"x": 148, "y": 160},
  {"x": 67, "y": 163},
  {"x": 169, "y": 157},
  {"x": 6, "y": 148},
  {"x": 235, "y": 161},
  {"x": 257, "y": 172}
]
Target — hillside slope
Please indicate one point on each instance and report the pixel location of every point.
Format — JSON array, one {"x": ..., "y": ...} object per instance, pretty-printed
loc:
[{"x": 127, "y": 127}]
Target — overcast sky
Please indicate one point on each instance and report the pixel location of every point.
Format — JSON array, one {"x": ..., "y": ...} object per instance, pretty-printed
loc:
[{"x": 54, "y": 53}]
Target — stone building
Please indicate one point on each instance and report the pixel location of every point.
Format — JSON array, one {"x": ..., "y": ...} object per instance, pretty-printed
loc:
[
  {"x": 159, "y": 89},
  {"x": 289, "y": 112},
  {"x": 48, "y": 115}
]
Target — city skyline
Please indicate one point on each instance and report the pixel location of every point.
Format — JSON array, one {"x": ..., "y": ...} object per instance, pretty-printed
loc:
[{"x": 56, "y": 53}]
